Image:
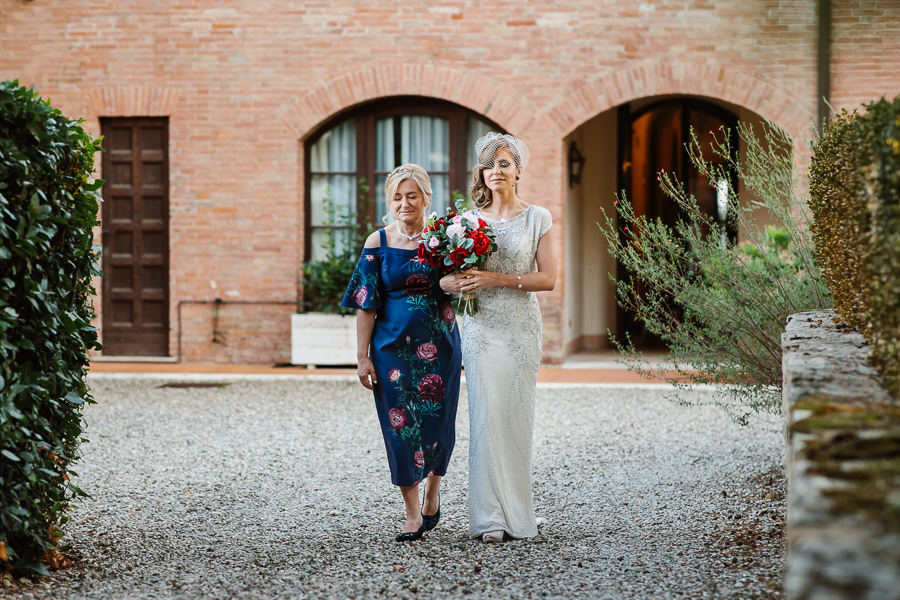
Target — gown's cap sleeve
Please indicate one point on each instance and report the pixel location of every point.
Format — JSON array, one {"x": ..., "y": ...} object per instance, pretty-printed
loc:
[
  {"x": 543, "y": 219},
  {"x": 364, "y": 289}
]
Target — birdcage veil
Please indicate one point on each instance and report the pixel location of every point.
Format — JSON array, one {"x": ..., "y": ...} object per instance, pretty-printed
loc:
[{"x": 487, "y": 146}]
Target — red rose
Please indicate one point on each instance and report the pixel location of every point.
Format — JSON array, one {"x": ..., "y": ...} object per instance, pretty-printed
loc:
[
  {"x": 431, "y": 388},
  {"x": 482, "y": 243},
  {"x": 482, "y": 224},
  {"x": 435, "y": 261},
  {"x": 397, "y": 418},
  {"x": 417, "y": 285},
  {"x": 447, "y": 312},
  {"x": 422, "y": 252},
  {"x": 458, "y": 256},
  {"x": 427, "y": 351}
]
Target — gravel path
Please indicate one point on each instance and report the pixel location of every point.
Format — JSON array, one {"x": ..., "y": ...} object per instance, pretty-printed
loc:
[{"x": 280, "y": 489}]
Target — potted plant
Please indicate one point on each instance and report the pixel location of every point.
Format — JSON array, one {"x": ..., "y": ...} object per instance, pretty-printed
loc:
[{"x": 325, "y": 333}]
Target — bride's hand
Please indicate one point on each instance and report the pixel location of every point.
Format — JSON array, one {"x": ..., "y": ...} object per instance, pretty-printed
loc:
[{"x": 475, "y": 279}]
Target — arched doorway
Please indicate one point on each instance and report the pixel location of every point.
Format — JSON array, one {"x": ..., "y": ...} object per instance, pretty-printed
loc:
[
  {"x": 643, "y": 136},
  {"x": 653, "y": 138}
]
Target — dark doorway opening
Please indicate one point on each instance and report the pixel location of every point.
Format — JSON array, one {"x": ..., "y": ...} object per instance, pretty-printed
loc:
[{"x": 653, "y": 138}]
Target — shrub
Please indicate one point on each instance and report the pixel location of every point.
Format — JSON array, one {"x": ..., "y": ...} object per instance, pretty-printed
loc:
[
  {"x": 883, "y": 260},
  {"x": 855, "y": 199},
  {"x": 838, "y": 198},
  {"x": 48, "y": 207},
  {"x": 325, "y": 280},
  {"x": 720, "y": 308}
]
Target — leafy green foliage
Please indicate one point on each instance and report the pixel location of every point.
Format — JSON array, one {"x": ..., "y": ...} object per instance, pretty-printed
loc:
[
  {"x": 720, "y": 308},
  {"x": 48, "y": 207},
  {"x": 325, "y": 280},
  {"x": 855, "y": 198}
]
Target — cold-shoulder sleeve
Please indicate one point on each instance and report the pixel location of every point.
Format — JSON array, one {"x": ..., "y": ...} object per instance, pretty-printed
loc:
[
  {"x": 365, "y": 288},
  {"x": 543, "y": 221}
]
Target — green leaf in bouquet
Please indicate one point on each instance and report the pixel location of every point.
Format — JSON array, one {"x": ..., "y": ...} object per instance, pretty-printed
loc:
[{"x": 463, "y": 204}]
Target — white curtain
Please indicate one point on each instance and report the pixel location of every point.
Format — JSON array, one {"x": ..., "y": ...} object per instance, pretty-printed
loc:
[
  {"x": 384, "y": 145},
  {"x": 424, "y": 141},
  {"x": 334, "y": 152}
]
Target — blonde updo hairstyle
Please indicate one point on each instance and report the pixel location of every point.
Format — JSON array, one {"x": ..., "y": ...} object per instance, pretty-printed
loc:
[
  {"x": 487, "y": 148},
  {"x": 400, "y": 174}
]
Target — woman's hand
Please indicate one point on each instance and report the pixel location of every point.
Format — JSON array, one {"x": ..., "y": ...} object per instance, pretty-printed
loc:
[
  {"x": 450, "y": 283},
  {"x": 474, "y": 279},
  {"x": 365, "y": 370}
]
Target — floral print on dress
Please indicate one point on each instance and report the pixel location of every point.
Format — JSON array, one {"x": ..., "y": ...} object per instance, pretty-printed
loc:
[
  {"x": 415, "y": 351},
  {"x": 363, "y": 290},
  {"x": 427, "y": 351}
]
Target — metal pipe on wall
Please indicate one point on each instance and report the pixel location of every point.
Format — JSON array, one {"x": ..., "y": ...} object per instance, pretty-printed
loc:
[
  {"x": 218, "y": 303},
  {"x": 823, "y": 79}
]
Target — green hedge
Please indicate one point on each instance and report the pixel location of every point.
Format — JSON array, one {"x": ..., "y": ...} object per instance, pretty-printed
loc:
[
  {"x": 48, "y": 208},
  {"x": 838, "y": 198},
  {"x": 855, "y": 200}
]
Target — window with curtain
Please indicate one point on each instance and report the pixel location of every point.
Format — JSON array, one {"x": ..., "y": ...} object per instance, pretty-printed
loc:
[{"x": 362, "y": 147}]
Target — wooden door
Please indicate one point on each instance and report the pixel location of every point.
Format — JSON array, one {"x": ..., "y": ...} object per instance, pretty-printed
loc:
[
  {"x": 653, "y": 139},
  {"x": 135, "y": 221}
]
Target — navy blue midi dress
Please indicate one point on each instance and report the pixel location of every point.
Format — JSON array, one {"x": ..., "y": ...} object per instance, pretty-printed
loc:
[{"x": 415, "y": 350}]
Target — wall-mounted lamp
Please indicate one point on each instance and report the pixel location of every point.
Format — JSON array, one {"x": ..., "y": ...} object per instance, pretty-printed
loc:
[{"x": 576, "y": 164}]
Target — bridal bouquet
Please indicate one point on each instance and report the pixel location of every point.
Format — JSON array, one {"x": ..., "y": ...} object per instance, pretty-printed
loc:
[{"x": 457, "y": 241}]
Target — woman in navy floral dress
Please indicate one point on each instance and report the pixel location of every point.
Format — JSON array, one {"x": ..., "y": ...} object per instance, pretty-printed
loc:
[{"x": 408, "y": 349}]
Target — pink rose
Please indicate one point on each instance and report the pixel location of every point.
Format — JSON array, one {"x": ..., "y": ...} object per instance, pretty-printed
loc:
[
  {"x": 370, "y": 257},
  {"x": 456, "y": 229},
  {"x": 394, "y": 375},
  {"x": 433, "y": 242},
  {"x": 419, "y": 458},
  {"x": 427, "y": 351},
  {"x": 431, "y": 388},
  {"x": 447, "y": 312},
  {"x": 360, "y": 296},
  {"x": 397, "y": 418}
]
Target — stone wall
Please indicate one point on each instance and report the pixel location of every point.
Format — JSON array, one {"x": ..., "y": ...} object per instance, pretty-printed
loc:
[{"x": 843, "y": 466}]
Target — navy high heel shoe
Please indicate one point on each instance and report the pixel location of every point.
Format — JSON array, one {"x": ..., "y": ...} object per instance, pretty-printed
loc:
[
  {"x": 410, "y": 535},
  {"x": 429, "y": 522}
]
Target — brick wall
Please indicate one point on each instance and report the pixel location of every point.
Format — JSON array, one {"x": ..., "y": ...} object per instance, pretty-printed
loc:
[
  {"x": 865, "y": 41},
  {"x": 245, "y": 82}
]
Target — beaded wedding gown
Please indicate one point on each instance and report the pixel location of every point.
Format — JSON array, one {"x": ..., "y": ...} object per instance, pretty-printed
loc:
[{"x": 501, "y": 347}]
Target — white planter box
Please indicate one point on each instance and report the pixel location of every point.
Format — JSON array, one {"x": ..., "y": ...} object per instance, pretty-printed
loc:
[{"x": 323, "y": 339}]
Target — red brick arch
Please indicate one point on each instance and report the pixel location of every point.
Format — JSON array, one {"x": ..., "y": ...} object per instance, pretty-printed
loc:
[
  {"x": 695, "y": 77},
  {"x": 302, "y": 115}
]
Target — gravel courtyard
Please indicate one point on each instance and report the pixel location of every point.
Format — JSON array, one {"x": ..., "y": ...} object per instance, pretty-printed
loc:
[{"x": 280, "y": 489}]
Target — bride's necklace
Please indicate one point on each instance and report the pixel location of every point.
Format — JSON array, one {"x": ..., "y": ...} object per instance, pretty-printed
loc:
[{"x": 410, "y": 237}]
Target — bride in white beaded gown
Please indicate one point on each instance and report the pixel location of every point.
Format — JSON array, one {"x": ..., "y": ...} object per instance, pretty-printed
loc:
[{"x": 501, "y": 343}]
